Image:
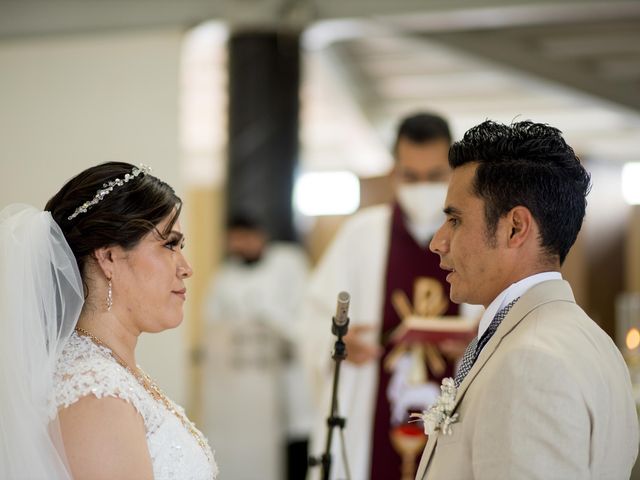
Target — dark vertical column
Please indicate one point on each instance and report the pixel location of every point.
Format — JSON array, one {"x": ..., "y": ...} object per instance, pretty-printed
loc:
[{"x": 264, "y": 78}]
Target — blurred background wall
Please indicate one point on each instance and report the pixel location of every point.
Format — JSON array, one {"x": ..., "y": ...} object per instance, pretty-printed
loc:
[{"x": 72, "y": 101}]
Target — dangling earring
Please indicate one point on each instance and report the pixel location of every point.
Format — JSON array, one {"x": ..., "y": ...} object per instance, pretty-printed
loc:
[{"x": 109, "y": 297}]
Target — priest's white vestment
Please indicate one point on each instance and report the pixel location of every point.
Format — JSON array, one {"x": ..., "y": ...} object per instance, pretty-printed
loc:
[{"x": 355, "y": 262}]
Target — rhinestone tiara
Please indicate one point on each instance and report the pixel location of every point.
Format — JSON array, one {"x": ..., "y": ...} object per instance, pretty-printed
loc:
[{"x": 108, "y": 187}]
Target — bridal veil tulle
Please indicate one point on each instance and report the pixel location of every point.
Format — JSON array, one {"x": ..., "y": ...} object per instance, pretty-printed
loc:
[{"x": 41, "y": 296}]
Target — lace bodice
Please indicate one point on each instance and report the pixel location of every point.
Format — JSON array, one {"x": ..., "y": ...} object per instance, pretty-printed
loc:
[{"x": 85, "y": 368}]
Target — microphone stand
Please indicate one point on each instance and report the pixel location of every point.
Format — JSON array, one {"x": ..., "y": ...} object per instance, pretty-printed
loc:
[{"x": 333, "y": 420}]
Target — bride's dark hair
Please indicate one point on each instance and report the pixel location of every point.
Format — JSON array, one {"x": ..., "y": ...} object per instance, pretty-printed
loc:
[{"x": 121, "y": 218}]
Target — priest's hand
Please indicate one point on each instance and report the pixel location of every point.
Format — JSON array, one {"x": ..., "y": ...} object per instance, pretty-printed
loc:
[{"x": 360, "y": 348}]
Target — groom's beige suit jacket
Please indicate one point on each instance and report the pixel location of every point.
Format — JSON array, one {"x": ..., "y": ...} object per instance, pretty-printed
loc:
[{"x": 549, "y": 397}]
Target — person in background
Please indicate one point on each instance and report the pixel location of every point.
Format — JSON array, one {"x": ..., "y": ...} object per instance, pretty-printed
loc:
[
  {"x": 378, "y": 254},
  {"x": 253, "y": 301},
  {"x": 542, "y": 391}
]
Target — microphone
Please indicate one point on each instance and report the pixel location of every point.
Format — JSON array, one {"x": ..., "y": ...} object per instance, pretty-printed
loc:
[
  {"x": 342, "y": 309},
  {"x": 339, "y": 327},
  {"x": 341, "y": 319}
]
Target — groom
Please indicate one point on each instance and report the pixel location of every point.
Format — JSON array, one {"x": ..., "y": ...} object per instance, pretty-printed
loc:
[{"x": 542, "y": 392}]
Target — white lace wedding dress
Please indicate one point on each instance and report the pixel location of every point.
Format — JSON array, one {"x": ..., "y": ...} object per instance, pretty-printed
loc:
[{"x": 85, "y": 368}]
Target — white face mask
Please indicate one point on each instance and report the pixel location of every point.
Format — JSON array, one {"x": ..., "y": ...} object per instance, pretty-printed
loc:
[{"x": 423, "y": 203}]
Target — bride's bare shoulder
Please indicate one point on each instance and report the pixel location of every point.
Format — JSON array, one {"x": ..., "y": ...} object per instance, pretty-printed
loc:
[{"x": 97, "y": 430}]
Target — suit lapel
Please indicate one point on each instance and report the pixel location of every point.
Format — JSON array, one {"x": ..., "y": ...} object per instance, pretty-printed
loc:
[
  {"x": 426, "y": 455},
  {"x": 545, "y": 292}
]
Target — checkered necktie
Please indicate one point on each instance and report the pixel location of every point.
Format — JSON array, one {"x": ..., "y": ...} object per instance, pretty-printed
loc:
[{"x": 475, "y": 347}]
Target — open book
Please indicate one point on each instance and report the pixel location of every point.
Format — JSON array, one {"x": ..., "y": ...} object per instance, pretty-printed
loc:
[{"x": 416, "y": 329}]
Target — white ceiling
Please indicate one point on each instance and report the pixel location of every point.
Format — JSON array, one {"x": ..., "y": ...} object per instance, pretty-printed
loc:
[
  {"x": 575, "y": 67},
  {"x": 574, "y": 64}
]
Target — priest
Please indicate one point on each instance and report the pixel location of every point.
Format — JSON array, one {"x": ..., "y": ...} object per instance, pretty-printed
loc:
[{"x": 380, "y": 254}]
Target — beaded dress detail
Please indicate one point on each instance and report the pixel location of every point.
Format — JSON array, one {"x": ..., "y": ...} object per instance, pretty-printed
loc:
[{"x": 85, "y": 368}]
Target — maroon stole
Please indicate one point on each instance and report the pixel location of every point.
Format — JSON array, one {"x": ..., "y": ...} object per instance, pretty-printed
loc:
[{"x": 406, "y": 261}]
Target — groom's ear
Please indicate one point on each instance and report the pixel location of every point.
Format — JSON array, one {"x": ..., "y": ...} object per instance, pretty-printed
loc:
[{"x": 521, "y": 227}]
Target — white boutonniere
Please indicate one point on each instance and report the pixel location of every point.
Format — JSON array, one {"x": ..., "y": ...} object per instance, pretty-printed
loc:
[{"x": 438, "y": 416}]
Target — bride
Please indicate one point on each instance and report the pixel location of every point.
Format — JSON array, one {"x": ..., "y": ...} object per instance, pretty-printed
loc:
[{"x": 79, "y": 283}]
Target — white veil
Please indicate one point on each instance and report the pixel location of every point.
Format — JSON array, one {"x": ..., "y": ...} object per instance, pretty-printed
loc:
[{"x": 41, "y": 296}]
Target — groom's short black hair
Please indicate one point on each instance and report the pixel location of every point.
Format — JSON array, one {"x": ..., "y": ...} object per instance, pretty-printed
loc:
[{"x": 527, "y": 164}]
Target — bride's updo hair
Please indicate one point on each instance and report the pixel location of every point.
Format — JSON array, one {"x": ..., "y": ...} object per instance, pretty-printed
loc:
[{"x": 123, "y": 217}]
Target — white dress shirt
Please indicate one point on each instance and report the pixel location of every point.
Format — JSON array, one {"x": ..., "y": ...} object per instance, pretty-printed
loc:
[{"x": 510, "y": 293}]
